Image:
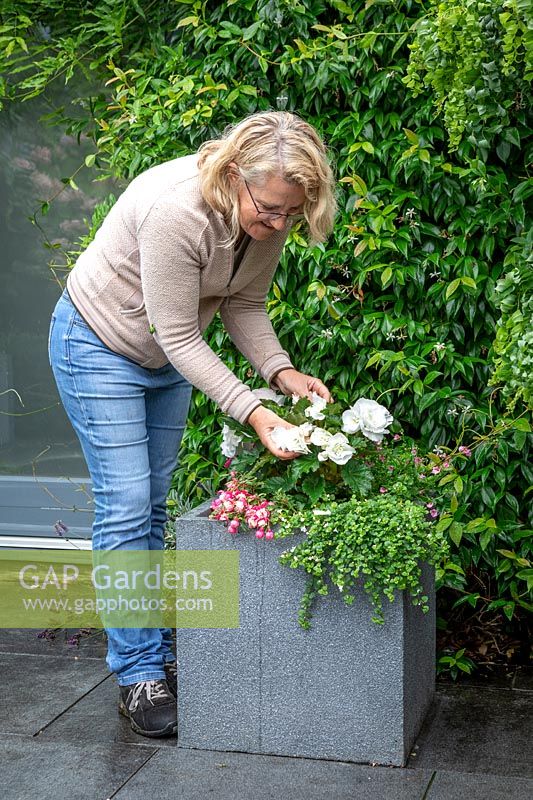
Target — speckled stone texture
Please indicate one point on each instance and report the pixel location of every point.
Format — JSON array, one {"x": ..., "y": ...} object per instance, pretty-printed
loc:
[{"x": 347, "y": 689}]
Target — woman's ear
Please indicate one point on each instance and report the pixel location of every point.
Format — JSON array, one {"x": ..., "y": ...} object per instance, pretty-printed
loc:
[{"x": 233, "y": 173}]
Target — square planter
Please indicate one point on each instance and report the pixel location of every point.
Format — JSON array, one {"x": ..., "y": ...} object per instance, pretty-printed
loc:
[{"x": 347, "y": 689}]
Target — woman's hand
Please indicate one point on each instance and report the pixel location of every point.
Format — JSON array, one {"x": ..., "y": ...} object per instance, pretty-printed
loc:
[
  {"x": 290, "y": 381},
  {"x": 263, "y": 421}
]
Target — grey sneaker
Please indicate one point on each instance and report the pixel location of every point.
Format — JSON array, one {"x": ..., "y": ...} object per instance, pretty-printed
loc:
[
  {"x": 150, "y": 708},
  {"x": 171, "y": 672}
]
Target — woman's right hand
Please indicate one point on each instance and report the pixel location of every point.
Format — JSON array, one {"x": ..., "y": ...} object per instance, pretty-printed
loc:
[{"x": 263, "y": 421}]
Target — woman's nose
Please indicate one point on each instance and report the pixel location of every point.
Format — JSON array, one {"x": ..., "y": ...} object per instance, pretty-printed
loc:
[{"x": 278, "y": 223}]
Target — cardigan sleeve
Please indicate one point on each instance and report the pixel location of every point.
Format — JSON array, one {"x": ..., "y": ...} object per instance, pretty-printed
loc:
[{"x": 246, "y": 320}]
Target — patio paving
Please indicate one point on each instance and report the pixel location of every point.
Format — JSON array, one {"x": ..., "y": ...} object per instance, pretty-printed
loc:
[{"x": 61, "y": 737}]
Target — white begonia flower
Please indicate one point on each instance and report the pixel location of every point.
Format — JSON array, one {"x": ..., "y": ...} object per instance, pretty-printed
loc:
[
  {"x": 369, "y": 417},
  {"x": 318, "y": 405},
  {"x": 269, "y": 394},
  {"x": 307, "y": 428},
  {"x": 320, "y": 437},
  {"x": 337, "y": 449},
  {"x": 230, "y": 441},
  {"x": 295, "y": 397},
  {"x": 292, "y": 439}
]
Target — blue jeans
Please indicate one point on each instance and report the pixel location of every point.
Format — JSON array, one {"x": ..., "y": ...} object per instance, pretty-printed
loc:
[{"x": 130, "y": 422}]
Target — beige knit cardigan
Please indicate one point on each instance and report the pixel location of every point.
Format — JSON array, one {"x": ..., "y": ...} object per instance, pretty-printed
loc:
[{"x": 157, "y": 272}]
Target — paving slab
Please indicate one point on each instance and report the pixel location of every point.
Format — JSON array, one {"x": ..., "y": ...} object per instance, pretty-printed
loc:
[
  {"x": 32, "y": 769},
  {"x": 524, "y": 679},
  {"x": 26, "y": 640},
  {"x": 95, "y": 719},
  {"x": 196, "y": 774},
  {"x": 34, "y": 690},
  {"x": 470, "y": 786},
  {"x": 500, "y": 677},
  {"x": 482, "y": 730}
]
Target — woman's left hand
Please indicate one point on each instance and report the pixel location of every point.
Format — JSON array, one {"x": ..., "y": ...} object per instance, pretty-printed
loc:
[{"x": 290, "y": 381}]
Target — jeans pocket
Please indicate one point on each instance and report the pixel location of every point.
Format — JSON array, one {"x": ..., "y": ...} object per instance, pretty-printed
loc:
[{"x": 50, "y": 331}]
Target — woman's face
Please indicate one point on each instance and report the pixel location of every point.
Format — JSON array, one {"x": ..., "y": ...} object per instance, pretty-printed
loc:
[{"x": 274, "y": 196}]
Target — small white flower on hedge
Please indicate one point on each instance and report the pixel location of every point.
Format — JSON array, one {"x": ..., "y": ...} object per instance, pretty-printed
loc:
[
  {"x": 230, "y": 441},
  {"x": 369, "y": 417},
  {"x": 316, "y": 408},
  {"x": 337, "y": 449}
]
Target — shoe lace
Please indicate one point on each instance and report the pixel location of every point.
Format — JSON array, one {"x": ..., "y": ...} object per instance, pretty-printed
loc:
[
  {"x": 171, "y": 668},
  {"x": 154, "y": 690}
]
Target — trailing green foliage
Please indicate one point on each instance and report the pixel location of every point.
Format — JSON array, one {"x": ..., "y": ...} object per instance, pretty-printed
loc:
[
  {"x": 379, "y": 542},
  {"x": 477, "y": 57},
  {"x": 401, "y": 303},
  {"x": 513, "y": 346}
]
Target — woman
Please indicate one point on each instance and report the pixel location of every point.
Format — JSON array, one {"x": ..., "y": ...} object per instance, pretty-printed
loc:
[{"x": 189, "y": 237}]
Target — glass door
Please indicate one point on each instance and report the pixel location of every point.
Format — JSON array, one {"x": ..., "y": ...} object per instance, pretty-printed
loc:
[{"x": 45, "y": 494}]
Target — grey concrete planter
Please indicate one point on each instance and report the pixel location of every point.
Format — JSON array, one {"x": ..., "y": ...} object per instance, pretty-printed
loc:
[{"x": 347, "y": 689}]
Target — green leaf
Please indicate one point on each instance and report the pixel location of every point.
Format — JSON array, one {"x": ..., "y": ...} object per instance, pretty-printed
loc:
[
  {"x": 484, "y": 538},
  {"x": 386, "y": 275},
  {"x": 444, "y": 523},
  {"x": 467, "y": 281},
  {"x": 522, "y": 424},
  {"x": 452, "y": 287},
  {"x": 357, "y": 476},
  {"x": 411, "y": 136},
  {"x": 507, "y": 553},
  {"x": 192, "y": 20},
  {"x": 314, "y": 487},
  {"x": 455, "y": 532}
]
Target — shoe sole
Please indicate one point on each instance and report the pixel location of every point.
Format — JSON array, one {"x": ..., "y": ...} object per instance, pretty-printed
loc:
[{"x": 170, "y": 730}]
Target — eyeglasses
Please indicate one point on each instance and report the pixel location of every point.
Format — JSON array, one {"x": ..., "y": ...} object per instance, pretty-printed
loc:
[{"x": 271, "y": 214}]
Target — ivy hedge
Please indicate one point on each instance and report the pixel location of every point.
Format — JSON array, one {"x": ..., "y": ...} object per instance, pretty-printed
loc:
[{"x": 422, "y": 297}]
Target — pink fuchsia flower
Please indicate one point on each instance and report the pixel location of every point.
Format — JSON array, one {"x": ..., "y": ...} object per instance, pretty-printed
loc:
[
  {"x": 429, "y": 505},
  {"x": 396, "y": 437},
  {"x": 383, "y": 490},
  {"x": 434, "y": 513},
  {"x": 418, "y": 460},
  {"x": 465, "y": 451},
  {"x": 414, "y": 451},
  {"x": 446, "y": 465},
  {"x": 422, "y": 476},
  {"x": 269, "y": 534},
  {"x": 259, "y": 534},
  {"x": 233, "y": 526},
  {"x": 435, "y": 470},
  {"x": 227, "y": 463}
]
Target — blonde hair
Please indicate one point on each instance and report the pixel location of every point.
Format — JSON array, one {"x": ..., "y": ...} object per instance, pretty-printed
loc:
[{"x": 271, "y": 143}]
